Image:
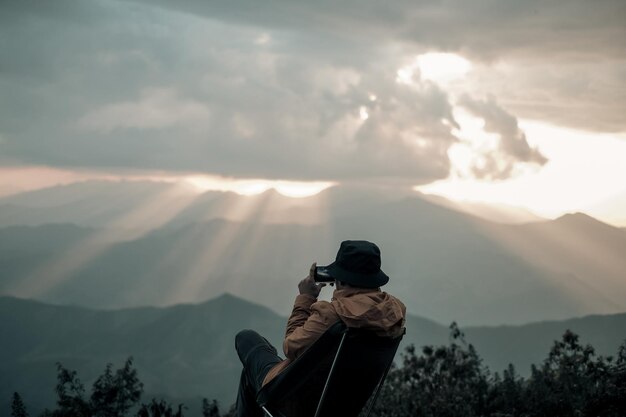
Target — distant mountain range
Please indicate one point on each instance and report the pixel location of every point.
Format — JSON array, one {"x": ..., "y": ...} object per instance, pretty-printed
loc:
[
  {"x": 186, "y": 352},
  {"x": 130, "y": 244}
]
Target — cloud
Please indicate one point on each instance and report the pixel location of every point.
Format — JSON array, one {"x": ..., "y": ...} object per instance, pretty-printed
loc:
[
  {"x": 156, "y": 109},
  {"x": 511, "y": 147},
  {"x": 499, "y": 121},
  {"x": 273, "y": 91},
  {"x": 567, "y": 57},
  {"x": 587, "y": 94},
  {"x": 555, "y": 29},
  {"x": 173, "y": 92}
]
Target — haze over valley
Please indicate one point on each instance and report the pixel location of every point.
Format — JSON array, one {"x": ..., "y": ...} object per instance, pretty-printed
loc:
[{"x": 132, "y": 248}]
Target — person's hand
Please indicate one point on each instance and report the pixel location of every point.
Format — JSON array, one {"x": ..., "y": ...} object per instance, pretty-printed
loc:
[{"x": 308, "y": 285}]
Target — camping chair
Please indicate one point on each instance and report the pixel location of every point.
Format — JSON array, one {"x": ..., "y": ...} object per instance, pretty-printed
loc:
[{"x": 334, "y": 377}]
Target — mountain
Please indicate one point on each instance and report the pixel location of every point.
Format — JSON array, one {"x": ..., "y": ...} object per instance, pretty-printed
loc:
[
  {"x": 449, "y": 273},
  {"x": 149, "y": 205},
  {"x": 184, "y": 351},
  {"x": 448, "y": 265},
  {"x": 586, "y": 256},
  {"x": 529, "y": 344},
  {"x": 187, "y": 351},
  {"x": 21, "y": 246},
  {"x": 499, "y": 213},
  {"x": 113, "y": 204}
]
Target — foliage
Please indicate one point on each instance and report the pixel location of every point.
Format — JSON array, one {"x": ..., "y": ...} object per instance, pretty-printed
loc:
[
  {"x": 451, "y": 381},
  {"x": 70, "y": 392},
  {"x": 441, "y": 381},
  {"x": 210, "y": 409},
  {"x": 445, "y": 381},
  {"x": 18, "y": 409},
  {"x": 114, "y": 394},
  {"x": 159, "y": 409},
  {"x": 572, "y": 381}
]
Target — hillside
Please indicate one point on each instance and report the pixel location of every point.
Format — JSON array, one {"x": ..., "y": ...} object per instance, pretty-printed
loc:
[
  {"x": 449, "y": 265},
  {"x": 187, "y": 351},
  {"x": 585, "y": 256},
  {"x": 184, "y": 351}
]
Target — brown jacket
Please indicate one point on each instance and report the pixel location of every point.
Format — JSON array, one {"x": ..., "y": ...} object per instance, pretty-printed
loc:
[{"x": 357, "y": 307}]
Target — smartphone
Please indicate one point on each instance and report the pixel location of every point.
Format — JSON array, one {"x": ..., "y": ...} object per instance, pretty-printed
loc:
[{"x": 322, "y": 275}]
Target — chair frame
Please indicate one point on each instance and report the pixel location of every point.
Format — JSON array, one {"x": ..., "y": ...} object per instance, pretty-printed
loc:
[{"x": 330, "y": 375}]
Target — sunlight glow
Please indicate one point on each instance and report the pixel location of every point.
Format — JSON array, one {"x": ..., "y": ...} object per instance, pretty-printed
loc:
[
  {"x": 461, "y": 159},
  {"x": 442, "y": 67},
  {"x": 438, "y": 67},
  {"x": 473, "y": 144},
  {"x": 240, "y": 241},
  {"x": 363, "y": 114},
  {"x": 294, "y": 189},
  {"x": 20, "y": 179},
  {"x": 584, "y": 173},
  {"x": 405, "y": 74},
  {"x": 300, "y": 189}
]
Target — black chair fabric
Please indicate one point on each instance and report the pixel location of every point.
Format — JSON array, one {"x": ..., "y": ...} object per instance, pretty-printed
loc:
[{"x": 362, "y": 362}]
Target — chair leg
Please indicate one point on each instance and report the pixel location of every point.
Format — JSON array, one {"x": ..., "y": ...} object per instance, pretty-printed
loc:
[
  {"x": 330, "y": 375},
  {"x": 267, "y": 412}
]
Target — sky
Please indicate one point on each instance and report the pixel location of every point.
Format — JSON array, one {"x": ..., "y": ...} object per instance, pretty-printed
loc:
[{"x": 514, "y": 102}]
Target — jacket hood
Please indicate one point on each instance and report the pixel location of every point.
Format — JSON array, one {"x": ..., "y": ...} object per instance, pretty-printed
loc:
[{"x": 370, "y": 309}]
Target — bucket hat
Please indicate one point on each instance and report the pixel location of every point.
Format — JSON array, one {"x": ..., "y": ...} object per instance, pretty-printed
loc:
[{"x": 358, "y": 264}]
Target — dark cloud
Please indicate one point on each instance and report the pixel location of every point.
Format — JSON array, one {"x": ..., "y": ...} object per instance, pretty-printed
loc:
[
  {"x": 487, "y": 29},
  {"x": 156, "y": 90},
  {"x": 567, "y": 56},
  {"x": 273, "y": 90}
]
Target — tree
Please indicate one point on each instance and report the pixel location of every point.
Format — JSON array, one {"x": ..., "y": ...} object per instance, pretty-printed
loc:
[
  {"x": 506, "y": 394},
  {"x": 159, "y": 409},
  {"x": 70, "y": 391},
  {"x": 441, "y": 381},
  {"x": 572, "y": 381},
  {"x": 114, "y": 394},
  {"x": 210, "y": 409},
  {"x": 18, "y": 409},
  {"x": 444, "y": 381}
]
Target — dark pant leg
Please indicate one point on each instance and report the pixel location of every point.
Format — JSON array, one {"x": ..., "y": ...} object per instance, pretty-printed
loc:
[
  {"x": 258, "y": 356},
  {"x": 246, "y": 399}
]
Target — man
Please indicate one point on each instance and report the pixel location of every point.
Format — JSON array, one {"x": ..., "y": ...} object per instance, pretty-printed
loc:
[{"x": 357, "y": 301}]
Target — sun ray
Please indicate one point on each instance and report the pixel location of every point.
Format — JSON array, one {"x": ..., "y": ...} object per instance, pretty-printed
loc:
[
  {"x": 572, "y": 262},
  {"x": 201, "y": 268},
  {"x": 151, "y": 214},
  {"x": 295, "y": 189},
  {"x": 209, "y": 247}
]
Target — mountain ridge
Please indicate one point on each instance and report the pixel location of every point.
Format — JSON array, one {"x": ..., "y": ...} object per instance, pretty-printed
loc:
[
  {"x": 422, "y": 258},
  {"x": 449, "y": 264},
  {"x": 187, "y": 351}
]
